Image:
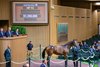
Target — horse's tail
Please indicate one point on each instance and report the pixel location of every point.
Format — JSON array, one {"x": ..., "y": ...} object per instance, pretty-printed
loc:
[{"x": 43, "y": 53}]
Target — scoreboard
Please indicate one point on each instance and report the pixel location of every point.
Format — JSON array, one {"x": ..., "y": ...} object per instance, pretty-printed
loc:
[{"x": 30, "y": 12}]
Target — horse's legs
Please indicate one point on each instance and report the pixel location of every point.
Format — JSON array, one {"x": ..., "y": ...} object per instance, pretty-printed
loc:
[
  {"x": 66, "y": 61},
  {"x": 74, "y": 64},
  {"x": 48, "y": 61},
  {"x": 48, "y": 57}
]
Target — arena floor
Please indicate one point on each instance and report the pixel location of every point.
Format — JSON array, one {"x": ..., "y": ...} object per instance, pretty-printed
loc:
[{"x": 58, "y": 63}]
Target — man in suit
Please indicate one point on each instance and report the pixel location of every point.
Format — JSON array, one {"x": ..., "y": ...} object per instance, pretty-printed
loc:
[
  {"x": 29, "y": 46},
  {"x": 2, "y": 33},
  {"x": 85, "y": 45},
  {"x": 7, "y": 55},
  {"x": 9, "y": 33},
  {"x": 17, "y": 32},
  {"x": 75, "y": 55}
]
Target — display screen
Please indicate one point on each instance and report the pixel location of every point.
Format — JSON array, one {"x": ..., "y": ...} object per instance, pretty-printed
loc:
[{"x": 30, "y": 12}]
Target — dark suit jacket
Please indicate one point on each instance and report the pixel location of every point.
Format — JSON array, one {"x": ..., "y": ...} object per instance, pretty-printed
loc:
[
  {"x": 9, "y": 34},
  {"x": 7, "y": 54},
  {"x": 2, "y": 35},
  {"x": 16, "y": 33},
  {"x": 29, "y": 46}
]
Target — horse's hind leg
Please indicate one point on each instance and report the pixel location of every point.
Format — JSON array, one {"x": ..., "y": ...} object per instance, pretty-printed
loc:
[
  {"x": 66, "y": 61},
  {"x": 74, "y": 63},
  {"x": 49, "y": 53},
  {"x": 48, "y": 61},
  {"x": 48, "y": 57}
]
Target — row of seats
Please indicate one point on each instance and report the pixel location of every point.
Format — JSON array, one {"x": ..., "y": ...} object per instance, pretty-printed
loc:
[{"x": 90, "y": 42}]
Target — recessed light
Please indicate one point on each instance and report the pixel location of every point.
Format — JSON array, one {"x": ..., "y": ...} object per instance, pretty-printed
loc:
[{"x": 98, "y": 3}]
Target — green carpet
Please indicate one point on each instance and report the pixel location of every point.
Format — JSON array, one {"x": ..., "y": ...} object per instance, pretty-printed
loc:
[{"x": 95, "y": 65}]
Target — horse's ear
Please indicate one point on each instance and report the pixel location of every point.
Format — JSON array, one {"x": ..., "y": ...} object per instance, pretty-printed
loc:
[
  {"x": 74, "y": 43},
  {"x": 74, "y": 39},
  {"x": 71, "y": 47}
]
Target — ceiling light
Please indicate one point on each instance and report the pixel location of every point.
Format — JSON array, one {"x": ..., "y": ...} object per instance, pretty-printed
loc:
[{"x": 98, "y": 3}]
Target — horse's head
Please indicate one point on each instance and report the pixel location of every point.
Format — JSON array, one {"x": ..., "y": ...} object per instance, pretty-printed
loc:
[
  {"x": 71, "y": 44},
  {"x": 75, "y": 42}
]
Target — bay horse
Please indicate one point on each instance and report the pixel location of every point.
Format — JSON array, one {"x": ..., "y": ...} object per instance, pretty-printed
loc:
[{"x": 58, "y": 50}]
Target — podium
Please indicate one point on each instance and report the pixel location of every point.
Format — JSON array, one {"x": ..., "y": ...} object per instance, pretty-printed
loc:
[{"x": 18, "y": 49}]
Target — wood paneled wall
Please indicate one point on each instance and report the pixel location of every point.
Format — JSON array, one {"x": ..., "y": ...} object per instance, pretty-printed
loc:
[
  {"x": 99, "y": 17},
  {"x": 79, "y": 25},
  {"x": 4, "y": 10},
  {"x": 94, "y": 22},
  {"x": 79, "y": 28},
  {"x": 37, "y": 34},
  {"x": 79, "y": 4}
]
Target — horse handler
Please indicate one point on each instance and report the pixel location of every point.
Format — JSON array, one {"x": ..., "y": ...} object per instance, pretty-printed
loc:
[
  {"x": 75, "y": 56},
  {"x": 7, "y": 55}
]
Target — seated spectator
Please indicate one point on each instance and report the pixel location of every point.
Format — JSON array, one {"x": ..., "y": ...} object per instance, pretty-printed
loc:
[
  {"x": 85, "y": 45},
  {"x": 80, "y": 45},
  {"x": 9, "y": 32},
  {"x": 2, "y": 33},
  {"x": 92, "y": 49},
  {"x": 98, "y": 44},
  {"x": 17, "y": 33},
  {"x": 94, "y": 43},
  {"x": 96, "y": 48}
]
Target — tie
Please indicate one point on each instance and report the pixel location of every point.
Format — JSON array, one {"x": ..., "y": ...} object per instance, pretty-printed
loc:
[
  {"x": 17, "y": 33},
  {"x": 9, "y": 34},
  {"x": 2, "y": 33}
]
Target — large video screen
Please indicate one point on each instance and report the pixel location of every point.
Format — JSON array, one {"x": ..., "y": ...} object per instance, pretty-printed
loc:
[{"x": 30, "y": 12}]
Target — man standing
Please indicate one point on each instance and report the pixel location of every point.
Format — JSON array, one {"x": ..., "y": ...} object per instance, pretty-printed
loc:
[
  {"x": 75, "y": 55},
  {"x": 29, "y": 52},
  {"x": 7, "y": 55},
  {"x": 29, "y": 46}
]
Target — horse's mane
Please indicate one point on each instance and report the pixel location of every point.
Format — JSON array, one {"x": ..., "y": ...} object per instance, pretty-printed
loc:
[{"x": 68, "y": 44}]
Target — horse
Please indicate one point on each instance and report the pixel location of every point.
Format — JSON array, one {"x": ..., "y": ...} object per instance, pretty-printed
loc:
[{"x": 58, "y": 50}]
